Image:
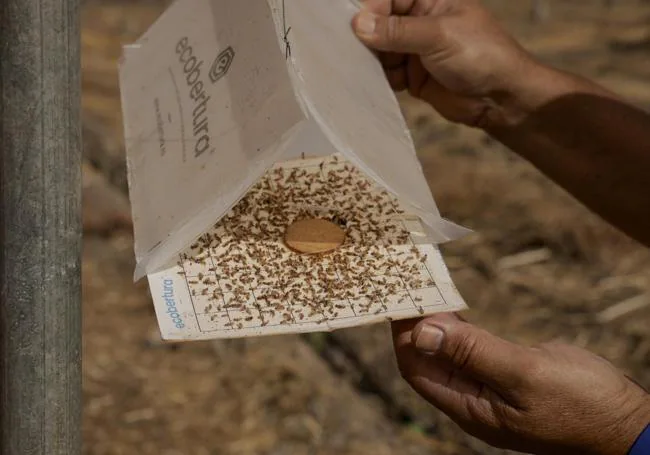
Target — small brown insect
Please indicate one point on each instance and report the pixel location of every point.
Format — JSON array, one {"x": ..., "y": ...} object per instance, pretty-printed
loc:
[{"x": 246, "y": 251}]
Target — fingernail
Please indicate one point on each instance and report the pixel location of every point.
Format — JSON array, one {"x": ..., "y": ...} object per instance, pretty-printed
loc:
[
  {"x": 366, "y": 23},
  {"x": 429, "y": 339}
]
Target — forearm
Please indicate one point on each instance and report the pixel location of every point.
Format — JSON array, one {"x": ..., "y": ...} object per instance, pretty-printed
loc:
[{"x": 586, "y": 139}]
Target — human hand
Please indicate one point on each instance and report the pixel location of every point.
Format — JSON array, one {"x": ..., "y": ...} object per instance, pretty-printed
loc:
[
  {"x": 450, "y": 53},
  {"x": 548, "y": 399}
]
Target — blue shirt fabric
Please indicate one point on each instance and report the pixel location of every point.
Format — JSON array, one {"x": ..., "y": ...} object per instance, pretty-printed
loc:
[{"x": 642, "y": 444}]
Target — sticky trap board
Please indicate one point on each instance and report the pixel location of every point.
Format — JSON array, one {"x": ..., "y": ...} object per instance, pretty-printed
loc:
[{"x": 240, "y": 280}]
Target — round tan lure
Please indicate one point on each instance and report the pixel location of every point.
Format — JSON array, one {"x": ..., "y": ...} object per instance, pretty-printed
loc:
[{"x": 313, "y": 236}]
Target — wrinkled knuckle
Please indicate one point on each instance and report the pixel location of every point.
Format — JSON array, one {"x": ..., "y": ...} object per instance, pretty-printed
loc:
[
  {"x": 515, "y": 423},
  {"x": 465, "y": 350},
  {"x": 395, "y": 29},
  {"x": 478, "y": 412}
]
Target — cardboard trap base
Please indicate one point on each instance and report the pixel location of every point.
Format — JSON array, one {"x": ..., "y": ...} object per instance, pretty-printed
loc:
[{"x": 240, "y": 279}]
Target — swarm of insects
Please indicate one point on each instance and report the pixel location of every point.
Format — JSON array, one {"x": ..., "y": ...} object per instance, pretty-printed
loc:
[{"x": 244, "y": 276}]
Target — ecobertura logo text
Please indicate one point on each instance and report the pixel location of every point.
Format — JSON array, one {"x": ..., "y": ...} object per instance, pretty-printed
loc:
[{"x": 192, "y": 67}]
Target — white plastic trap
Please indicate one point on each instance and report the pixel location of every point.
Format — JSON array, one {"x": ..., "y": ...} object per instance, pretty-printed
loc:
[{"x": 222, "y": 101}]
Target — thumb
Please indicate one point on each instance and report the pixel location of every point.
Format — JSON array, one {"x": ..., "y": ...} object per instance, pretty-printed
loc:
[
  {"x": 500, "y": 364},
  {"x": 403, "y": 34}
]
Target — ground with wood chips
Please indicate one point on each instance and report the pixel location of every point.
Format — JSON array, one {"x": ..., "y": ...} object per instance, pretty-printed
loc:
[{"x": 538, "y": 268}]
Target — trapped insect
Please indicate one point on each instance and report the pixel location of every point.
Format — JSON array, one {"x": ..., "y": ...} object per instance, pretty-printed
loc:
[{"x": 253, "y": 280}]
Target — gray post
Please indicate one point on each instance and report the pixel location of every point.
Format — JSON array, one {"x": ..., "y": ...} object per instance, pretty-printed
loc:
[{"x": 40, "y": 232}]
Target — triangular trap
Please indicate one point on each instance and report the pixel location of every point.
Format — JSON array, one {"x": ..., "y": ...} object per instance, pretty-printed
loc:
[{"x": 245, "y": 119}]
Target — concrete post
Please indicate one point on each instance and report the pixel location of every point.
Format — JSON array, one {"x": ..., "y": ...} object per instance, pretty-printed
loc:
[{"x": 40, "y": 228}]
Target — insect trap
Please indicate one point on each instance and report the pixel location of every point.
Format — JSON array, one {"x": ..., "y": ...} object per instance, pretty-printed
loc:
[{"x": 274, "y": 184}]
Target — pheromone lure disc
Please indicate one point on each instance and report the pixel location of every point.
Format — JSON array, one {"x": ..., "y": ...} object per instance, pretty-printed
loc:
[{"x": 313, "y": 236}]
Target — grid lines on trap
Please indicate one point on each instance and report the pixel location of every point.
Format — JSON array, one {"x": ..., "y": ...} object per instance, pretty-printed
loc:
[{"x": 241, "y": 276}]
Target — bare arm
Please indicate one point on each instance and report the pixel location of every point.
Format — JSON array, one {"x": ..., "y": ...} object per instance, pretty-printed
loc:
[
  {"x": 453, "y": 54},
  {"x": 551, "y": 398},
  {"x": 586, "y": 139}
]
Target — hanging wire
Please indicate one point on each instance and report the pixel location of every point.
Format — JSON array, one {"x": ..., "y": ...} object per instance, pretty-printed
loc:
[{"x": 287, "y": 43}]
